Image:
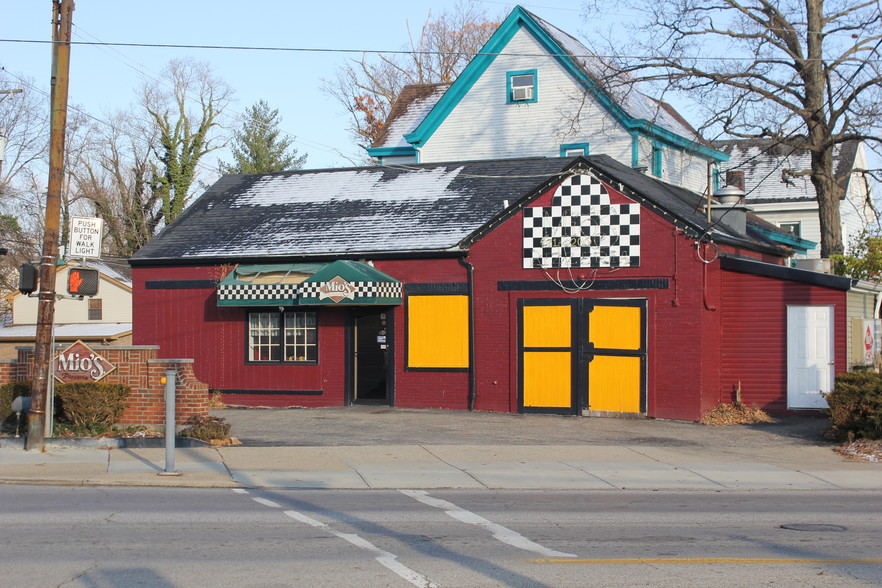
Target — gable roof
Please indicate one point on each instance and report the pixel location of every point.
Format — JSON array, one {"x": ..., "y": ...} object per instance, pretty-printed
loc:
[
  {"x": 622, "y": 98},
  {"x": 410, "y": 108},
  {"x": 763, "y": 162},
  {"x": 375, "y": 212}
]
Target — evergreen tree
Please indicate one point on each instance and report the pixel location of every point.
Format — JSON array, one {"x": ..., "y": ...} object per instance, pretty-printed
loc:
[{"x": 257, "y": 146}]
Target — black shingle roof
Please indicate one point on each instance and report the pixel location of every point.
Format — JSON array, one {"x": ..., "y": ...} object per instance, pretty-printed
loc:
[{"x": 379, "y": 210}]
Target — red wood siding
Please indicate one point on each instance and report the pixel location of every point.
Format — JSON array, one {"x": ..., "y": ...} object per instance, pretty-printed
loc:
[
  {"x": 754, "y": 332},
  {"x": 682, "y": 341},
  {"x": 687, "y": 371}
]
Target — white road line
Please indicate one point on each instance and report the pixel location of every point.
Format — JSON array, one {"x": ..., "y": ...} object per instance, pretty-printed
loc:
[
  {"x": 499, "y": 532},
  {"x": 385, "y": 558},
  {"x": 266, "y": 502}
]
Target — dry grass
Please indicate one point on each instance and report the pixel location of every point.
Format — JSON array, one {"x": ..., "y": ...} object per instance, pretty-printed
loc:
[
  {"x": 863, "y": 450},
  {"x": 216, "y": 401},
  {"x": 736, "y": 413}
]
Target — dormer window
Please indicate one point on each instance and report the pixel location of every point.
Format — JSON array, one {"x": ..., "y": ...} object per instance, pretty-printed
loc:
[
  {"x": 573, "y": 149},
  {"x": 521, "y": 86}
]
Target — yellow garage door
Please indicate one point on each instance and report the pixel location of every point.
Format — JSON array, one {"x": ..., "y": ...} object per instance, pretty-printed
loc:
[
  {"x": 615, "y": 370},
  {"x": 547, "y": 356},
  {"x": 583, "y": 354}
]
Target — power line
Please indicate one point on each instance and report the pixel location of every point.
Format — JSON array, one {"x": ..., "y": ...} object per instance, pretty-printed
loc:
[{"x": 854, "y": 60}]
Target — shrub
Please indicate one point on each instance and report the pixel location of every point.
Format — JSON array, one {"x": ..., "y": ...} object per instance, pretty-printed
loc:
[
  {"x": 856, "y": 406},
  {"x": 9, "y": 392},
  {"x": 206, "y": 428},
  {"x": 91, "y": 406}
]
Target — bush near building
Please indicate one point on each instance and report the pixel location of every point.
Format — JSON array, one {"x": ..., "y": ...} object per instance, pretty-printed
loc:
[{"x": 856, "y": 406}]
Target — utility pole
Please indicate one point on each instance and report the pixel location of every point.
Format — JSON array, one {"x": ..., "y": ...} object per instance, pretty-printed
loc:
[{"x": 62, "y": 13}]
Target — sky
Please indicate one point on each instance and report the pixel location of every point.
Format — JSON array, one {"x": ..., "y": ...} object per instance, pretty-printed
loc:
[{"x": 104, "y": 79}]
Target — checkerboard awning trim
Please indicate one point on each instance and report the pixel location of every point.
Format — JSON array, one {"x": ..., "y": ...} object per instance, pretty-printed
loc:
[{"x": 365, "y": 285}]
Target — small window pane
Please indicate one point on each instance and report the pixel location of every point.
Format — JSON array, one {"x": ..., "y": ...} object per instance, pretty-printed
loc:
[
  {"x": 522, "y": 81},
  {"x": 792, "y": 228}
]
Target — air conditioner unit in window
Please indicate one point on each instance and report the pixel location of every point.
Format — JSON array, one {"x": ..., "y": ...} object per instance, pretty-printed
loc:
[{"x": 524, "y": 93}]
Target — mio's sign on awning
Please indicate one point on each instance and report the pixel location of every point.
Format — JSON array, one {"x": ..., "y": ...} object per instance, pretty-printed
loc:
[{"x": 78, "y": 363}]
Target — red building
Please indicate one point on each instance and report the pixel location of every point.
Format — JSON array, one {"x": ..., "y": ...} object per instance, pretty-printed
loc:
[{"x": 574, "y": 286}]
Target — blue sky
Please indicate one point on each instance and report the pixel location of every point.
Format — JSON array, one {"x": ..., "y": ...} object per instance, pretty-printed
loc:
[{"x": 104, "y": 79}]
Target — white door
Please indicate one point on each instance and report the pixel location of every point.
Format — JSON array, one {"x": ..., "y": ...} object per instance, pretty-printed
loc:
[{"x": 809, "y": 355}]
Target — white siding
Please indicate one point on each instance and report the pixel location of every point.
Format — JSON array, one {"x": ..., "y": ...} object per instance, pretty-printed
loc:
[
  {"x": 855, "y": 212},
  {"x": 484, "y": 126},
  {"x": 116, "y": 303},
  {"x": 804, "y": 213}
]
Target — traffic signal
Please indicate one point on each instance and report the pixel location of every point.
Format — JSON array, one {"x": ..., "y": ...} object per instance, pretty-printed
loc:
[
  {"x": 28, "y": 279},
  {"x": 82, "y": 282}
]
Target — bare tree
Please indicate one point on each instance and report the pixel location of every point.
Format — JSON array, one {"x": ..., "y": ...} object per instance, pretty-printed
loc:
[
  {"x": 24, "y": 126},
  {"x": 117, "y": 179},
  {"x": 368, "y": 87},
  {"x": 800, "y": 73},
  {"x": 184, "y": 135}
]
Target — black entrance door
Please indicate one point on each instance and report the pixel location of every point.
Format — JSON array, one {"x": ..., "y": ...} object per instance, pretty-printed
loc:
[{"x": 372, "y": 345}]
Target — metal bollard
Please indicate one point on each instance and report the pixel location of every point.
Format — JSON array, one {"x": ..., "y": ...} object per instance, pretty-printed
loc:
[{"x": 170, "y": 381}]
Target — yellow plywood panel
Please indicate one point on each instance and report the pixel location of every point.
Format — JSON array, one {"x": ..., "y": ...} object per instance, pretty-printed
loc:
[
  {"x": 615, "y": 327},
  {"x": 614, "y": 384},
  {"x": 548, "y": 326},
  {"x": 438, "y": 331},
  {"x": 548, "y": 379}
]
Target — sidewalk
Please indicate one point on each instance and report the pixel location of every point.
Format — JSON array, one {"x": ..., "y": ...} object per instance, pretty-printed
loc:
[{"x": 391, "y": 448}]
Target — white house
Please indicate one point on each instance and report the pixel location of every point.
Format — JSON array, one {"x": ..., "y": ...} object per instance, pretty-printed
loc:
[
  {"x": 790, "y": 202},
  {"x": 104, "y": 318},
  {"x": 534, "y": 90}
]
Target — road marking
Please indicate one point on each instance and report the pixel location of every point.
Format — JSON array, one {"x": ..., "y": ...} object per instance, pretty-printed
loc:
[
  {"x": 389, "y": 560},
  {"x": 266, "y": 502},
  {"x": 499, "y": 532},
  {"x": 386, "y": 559},
  {"x": 706, "y": 560}
]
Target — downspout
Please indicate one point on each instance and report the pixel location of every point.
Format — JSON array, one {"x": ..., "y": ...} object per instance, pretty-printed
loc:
[{"x": 471, "y": 288}]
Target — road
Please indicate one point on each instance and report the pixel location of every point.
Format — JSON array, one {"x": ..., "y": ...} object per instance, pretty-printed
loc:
[{"x": 101, "y": 537}]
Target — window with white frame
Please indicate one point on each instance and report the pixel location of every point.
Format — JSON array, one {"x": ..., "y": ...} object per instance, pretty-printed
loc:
[
  {"x": 282, "y": 336},
  {"x": 521, "y": 86},
  {"x": 573, "y": 149},
  {"x": 794, "y": 228}
]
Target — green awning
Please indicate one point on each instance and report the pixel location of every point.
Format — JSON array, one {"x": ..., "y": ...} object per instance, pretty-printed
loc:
[
  {"x": 350, "y": 282},
  {"x": 341, "y": 282},
  {"x": 264, "y": 285}
]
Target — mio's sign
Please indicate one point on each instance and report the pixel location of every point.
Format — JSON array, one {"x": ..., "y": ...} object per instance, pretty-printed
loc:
[
  {"x": 337, "y": 290},
  {"x": 78, "y": 363}
]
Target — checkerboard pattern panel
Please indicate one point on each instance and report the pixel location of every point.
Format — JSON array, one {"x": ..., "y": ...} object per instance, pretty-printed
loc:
[
  {"x": 582, "y": 229},
  {"x": 257, "y": 291},
  {"x": 362, "y": 289}
]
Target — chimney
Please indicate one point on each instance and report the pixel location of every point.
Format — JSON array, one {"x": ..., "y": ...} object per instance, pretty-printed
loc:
[
  {"x": 735, "y": 178},
  {"x": 731, "y": 210}
]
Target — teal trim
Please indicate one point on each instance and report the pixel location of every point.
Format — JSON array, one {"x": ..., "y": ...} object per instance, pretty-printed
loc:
[
  {"x": 509, "y": 89},
  {"x": 657, "y": 159},
  {"x": 715, "y": 180},
  {"x": 656, "y": 133},
  {"x": 380, "y": 152},
  {"x": 635, "y": 149},
  {"x": 518, "y": 19},
  {"x": 569, "y": 146},
  {"x": 797, "y": 243}
]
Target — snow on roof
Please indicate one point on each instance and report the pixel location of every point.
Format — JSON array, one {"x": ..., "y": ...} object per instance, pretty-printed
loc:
[
  {"x": 429, "y": 207},
  {"x": 620, "y": 86},
  {"x": 415, "y": 102},
  {"x": 68, "y": 331},
  {"x": 413, "y": 105},
  {"x": 765, "y": 163},
  {"x": 383, "y": 209}
]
